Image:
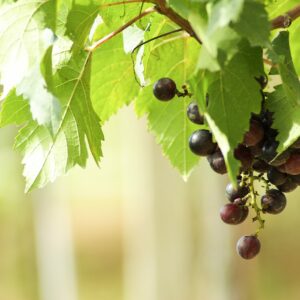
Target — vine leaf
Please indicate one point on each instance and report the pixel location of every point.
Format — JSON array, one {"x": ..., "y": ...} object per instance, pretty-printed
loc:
[
  {"x": 280, "y": 54},
  {"x": 119, "y": 87},
  {"x": 48, "y": 155},
  {"x": 286, "y": 118},
  {"x": 23, "y": 38},
  {"x": 15, "y": 110},
  {"x": 233, "y": 95}
]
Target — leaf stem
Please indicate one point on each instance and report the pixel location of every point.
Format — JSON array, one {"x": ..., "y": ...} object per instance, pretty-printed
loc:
[
  {"x": 114, "y": 33},
  {"x": 285, "y": 20}
]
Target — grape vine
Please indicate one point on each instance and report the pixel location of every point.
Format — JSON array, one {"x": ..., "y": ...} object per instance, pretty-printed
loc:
[{"x": 225, "y": 74}]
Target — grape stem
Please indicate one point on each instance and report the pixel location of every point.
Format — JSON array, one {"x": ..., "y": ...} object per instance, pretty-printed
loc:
[
  {"x": 285, "y": 20},
  {"x": 114, "y": 33},
  {"x": 161, "y": 6},
  {"x": 255, "y": 206}
]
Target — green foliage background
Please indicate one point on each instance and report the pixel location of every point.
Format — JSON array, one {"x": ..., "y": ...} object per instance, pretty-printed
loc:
[{"x": 60, "y": 94}]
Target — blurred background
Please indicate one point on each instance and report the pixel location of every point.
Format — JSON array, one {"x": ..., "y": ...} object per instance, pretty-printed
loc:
[{"x": 134, "y": 230}]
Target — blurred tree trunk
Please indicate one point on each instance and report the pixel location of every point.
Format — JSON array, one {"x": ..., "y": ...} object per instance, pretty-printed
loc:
[
  {"x": 54, "y": 246},
  {"x": 176, "y": 247}
]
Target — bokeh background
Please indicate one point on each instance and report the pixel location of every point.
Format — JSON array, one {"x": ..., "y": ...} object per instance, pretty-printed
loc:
[{"x": 134, "y": 230}]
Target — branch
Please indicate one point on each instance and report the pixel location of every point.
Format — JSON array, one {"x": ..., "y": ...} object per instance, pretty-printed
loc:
[
  {"x": 114, "y": 33},
  {"x": 286, "y": 20},
  {"x": 163, "y": 8},
  {"x": 119, "y": 3}
]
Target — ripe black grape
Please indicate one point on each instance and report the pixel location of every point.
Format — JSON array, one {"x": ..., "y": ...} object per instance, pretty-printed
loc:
[
  {"x": 193, "y": 114},
  {"x": 201, "y": 143},
  {"x": 269, "y": 150},
  {"x": 292, "y": 165},
  {"x": 233, "y": 214},
  {"x": 276, "y": 177},
  {"x": 273, "y": 202},
  {"x": 260, "y": 166},
  {"x": 255, "y": 133},
  {"x": 217, "y": 162},
  {"x": 233, "y": 193},
  {"x": 164, "y": 89},
  {"x": 243, "y": 154},
  {"x": 248, "y": 246},
  {"x": 288, "y": 186}
]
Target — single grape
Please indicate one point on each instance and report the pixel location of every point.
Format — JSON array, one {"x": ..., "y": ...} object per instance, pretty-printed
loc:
[
  {"x": 292, "y": 165},
  {"x": 288, "y": 186},
  {"x": 164, "y": 89},
  {"x": 233, "y": 193},
  {"x": 269, "y": 150},
  {"x": 273, "y": 202},
  {"x": 280, "y": 159},
  {"x": 243, "y": 154},
  {"x": 256, "y": 151},
  {"x": 248, "y": 246},
  {"x": 193, "y": 114},
  {"x": 217, "y": 162},
  {"x": 255, "y": 133},
  {"x": 260, "y": 166},
  {"x": 276, "y": 177},
  {"x": 201, "y": 143},
  {"x": 295, "y": 178},
  {"x": 233, "y": 214}
]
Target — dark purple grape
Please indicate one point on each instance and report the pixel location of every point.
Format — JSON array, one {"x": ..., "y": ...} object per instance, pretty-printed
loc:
[
  {"x": 217, "y": 162},
  {"x": 243, "y": 154},
  {"x": 280, "y": 159},
  {"x": 276, "y": 177},
  {"x": 233, "y": 214},
  {"x": 201, "y": 143},
  {"x": 288, "y": 186},
  {"x": 248, "y": 246},
  {"x": 164, "y": 89},
  {"x": 295, "y": 178},
  {"x": 262, "y": 80},
  {"x": 260, "y": 166},
  {"x": 292, "y": 165},
  {"x": 255, "y": 133},
  {"x": 193, "y": 114},
  {"x": 256, "y": 151},
  {"x": 273, "y": 202},
  {"x": 233, "y": 193},
  {"x": 269, "y": 150}
]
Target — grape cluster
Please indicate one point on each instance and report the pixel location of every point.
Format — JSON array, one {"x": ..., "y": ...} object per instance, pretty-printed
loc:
[{"x": 260, "y": 164}]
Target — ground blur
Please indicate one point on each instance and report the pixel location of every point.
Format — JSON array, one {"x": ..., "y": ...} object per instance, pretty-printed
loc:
[{"x": 134, "y": 230}]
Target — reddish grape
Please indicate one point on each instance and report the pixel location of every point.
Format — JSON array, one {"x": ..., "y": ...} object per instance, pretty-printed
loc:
[
  {"x": 255, "y": 133},
  {"x": 273, "y": 202},
  {"x": 292, "y": 165},
  {"x": 233, "y": 214},
  {"x": 248, "y": 246}
]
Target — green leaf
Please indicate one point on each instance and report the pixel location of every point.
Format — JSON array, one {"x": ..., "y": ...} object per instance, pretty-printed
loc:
[
  {"x": 173, "y": 56},
  {"x": 233, "y": 95},
  {"x": 280, "y": 54},
  {"x": 113, "y": 83},
  {"x": 286, "y": 118},
  {"x": 254, "y": 24},
  {"x": 15, "y": 110},
  {"x": 23, "y": 38},
  {"x": 47, "y": 155}
]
